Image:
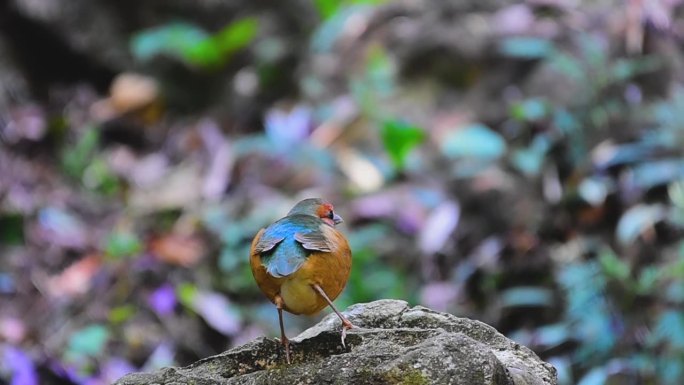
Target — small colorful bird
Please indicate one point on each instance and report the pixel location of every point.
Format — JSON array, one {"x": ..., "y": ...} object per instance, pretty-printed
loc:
[{"x": 302, "y": 263}]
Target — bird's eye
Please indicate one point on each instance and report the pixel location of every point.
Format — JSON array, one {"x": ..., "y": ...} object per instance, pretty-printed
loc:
[{"x": 331, "y": 215}]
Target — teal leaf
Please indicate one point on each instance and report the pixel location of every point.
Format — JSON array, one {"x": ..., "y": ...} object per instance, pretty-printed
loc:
[
  {"x": 588, "y": 309},
  {"x": 655, "y": 173},
  {"x": 594, "y": 190},
  {"x": 474, "y": 141},
  {"x": 530, "y": 110},
  {"x": 596, "y": 376},
  {"x": 563, "y": 367},
  {"x": 174, "y": 39},
  {"x": 193, "y": 45},
  {"x": 526, "y": 47},
  {"x": 637, "y": 219},
  {"x": 670, "y": 328},
  {"x": 399, "y": 139},
  {"x": 526, "y": 296},
  {"x": 325, "y": 37},
  {"x": 530, "y": 160},
  {"x": 88, "y": 342},
  {"x": 553, "y": 335}
]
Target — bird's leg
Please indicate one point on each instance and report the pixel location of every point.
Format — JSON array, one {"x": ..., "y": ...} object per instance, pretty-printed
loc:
[
  {"x": 345, "y": 322},
  {"x": 283, "y": 338}
]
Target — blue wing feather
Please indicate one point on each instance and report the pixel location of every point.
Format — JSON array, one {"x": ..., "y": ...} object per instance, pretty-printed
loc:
[{"x": 282, "y": 246}]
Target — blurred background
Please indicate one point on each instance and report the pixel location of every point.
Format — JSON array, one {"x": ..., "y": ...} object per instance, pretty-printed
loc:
[{"x": 520, "y": 163}]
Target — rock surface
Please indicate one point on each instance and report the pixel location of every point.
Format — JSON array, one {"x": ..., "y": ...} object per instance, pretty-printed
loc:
[{"x": 392, "y": 343}]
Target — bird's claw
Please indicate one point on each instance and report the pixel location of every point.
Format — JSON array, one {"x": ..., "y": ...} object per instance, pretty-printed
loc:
[{"x": 345, "y": 325}]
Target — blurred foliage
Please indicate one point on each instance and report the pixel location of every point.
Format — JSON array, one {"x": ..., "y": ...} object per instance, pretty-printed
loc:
[
  {"x": 529, "y": 174},
  {"x": 192, "y": 44}
]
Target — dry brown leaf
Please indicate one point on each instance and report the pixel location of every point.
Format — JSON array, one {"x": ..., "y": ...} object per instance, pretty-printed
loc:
[
  {"x": 178, "y": 249},
  {"x": 75, "y": 280}
]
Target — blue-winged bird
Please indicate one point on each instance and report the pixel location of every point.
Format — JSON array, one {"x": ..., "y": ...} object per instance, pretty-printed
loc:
[{"x": 302, "y": 263}]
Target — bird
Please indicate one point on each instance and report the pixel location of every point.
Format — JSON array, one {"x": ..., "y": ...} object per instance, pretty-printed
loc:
[{"x": 302, "y": 262}]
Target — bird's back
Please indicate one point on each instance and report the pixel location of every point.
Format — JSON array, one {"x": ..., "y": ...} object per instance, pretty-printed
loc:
[{"x": 284, "y": 263}]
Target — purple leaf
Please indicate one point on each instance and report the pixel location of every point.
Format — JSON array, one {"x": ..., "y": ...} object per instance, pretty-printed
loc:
[
  {"x": 161, "y": 357},
  {"x": 114, "y": 369},
  {"x": 163, "y": 300},
  {"x": 218, "y": 312},
  {"x": 61, "y": 228},
  {"x": 439, "y": 226},
  {"x": 22, "y": 368},
  {"x": 439, "y": 295},
  {"x": 286, "y": 128}
]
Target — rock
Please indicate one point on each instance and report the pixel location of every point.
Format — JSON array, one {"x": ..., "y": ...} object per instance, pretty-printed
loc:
[{"x": 392, "y": 343}]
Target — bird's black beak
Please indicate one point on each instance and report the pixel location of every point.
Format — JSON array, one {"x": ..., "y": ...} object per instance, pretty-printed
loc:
[{"x": 337, "y": 219}]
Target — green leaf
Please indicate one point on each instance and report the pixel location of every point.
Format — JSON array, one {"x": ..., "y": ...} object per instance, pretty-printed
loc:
[
  {"x": 98, "y": 176},
  {"x": 77, "y": 158},
  {"x": 237, "y": 35},
  {"x": 474, "y": 141},
  {"x": 399, "y": 139},
  {"x": 327, "y": 8},
  {"x": 121, "y": 313},
  {"x": 613, "y": 266},
  {"x": 648, "y": 280},
  {"x": 187, "y": 292},
  {"x": 11, "y": 229},
  {"x": 88, "y": 342},
  {"x": 121, "y": 244},
  {"x": 193, "y": 45},
  {"x": 526, "y": 47}
]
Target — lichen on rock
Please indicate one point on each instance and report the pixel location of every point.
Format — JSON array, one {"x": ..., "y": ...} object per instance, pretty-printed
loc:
[{"x": 392, "y": 343}]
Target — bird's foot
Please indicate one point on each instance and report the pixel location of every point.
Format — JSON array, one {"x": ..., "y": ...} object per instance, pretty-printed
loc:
[{"x": 345, "y": 325}]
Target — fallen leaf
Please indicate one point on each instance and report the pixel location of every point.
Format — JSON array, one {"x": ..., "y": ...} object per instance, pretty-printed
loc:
[
  {"x": 364, "y": 175},
  {"x": 60, "y": 227},
  {"x": 474, "y": 141},
  {"x": 75, "y": 280},
  {"x": 288, "y": 127},
  {"x": 217, "y": 311},
  {"x": 131, "y": 92},
  {"x": 177, "y": 249},
  {"x": 438, "y": 295},
  {"x": 637, "y": 220},
  {"x": 12, "y": 330},
  {"x": 179, "y": 188},
  {"x": 163, "y": 300},
  {"x": 21, "y": 366},
  {"x": 221, "y": 159},
  {"x": 439, "y": 225}
]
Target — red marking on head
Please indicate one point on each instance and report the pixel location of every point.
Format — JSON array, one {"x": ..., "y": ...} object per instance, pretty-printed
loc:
[{"x": 324, "y": 210}]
